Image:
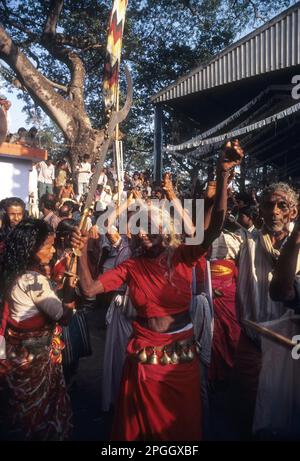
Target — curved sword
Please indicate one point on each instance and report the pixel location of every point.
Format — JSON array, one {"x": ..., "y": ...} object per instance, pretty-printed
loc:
[{"x": 115, "y": 118}]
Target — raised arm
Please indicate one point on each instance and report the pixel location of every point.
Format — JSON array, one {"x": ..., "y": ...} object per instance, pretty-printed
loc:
[
  {"x": 182, "y": 213},
  {"x": 89, "y": 286},
  {"x": 282, "y": 286},
  {"x": 231, "y": 157},
  {"x": 209, "y": 197}
]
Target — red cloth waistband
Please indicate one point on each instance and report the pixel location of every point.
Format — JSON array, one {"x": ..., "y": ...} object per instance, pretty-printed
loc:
[
  {"x": 142, "y": 337},
  {"x": 223, "y": 268},
  {"x": 36, "y": 322},
  {"x": 223, "y": 262}
]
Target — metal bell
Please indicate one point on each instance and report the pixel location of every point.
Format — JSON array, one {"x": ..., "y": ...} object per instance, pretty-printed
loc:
[
  {"x": 153, "y": 359},
  {"x": 165, "y": 360},
  {"x": 183, "y": 356},
  {"x": 174, "y": 358},
  {"x": 198, "y": 348},
  {"x": 190, "y": 354},
  {"x": 142, "y": 355}
]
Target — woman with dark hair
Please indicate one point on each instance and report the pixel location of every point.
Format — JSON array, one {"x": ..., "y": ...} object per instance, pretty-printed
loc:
[
  {"x": 39, "y": 407},
  {"x": 76, "y": 334}
]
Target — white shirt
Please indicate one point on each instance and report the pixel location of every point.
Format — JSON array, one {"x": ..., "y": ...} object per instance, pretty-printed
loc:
[
  {"x": 32, "y": 294},
  {"x": 46, "y": 173},
  {"x": 103, "y": 201},
  {"x": 84, "y": 173},
  {"x": 102, "y": 179}
]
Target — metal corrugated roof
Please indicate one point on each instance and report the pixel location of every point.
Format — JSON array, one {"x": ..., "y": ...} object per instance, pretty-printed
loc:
[{"x": 274, "y": 46}]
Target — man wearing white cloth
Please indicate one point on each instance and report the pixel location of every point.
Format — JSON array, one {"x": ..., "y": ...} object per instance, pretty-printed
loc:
[{"x": 259, "y": 253}]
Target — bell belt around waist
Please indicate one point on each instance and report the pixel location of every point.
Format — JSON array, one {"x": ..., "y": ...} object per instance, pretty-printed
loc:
[
  {"x": 166, "y": 324},
  {"x": 181, "y": 351}
]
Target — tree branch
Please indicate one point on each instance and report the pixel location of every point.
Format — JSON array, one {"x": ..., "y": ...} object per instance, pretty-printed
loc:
[
  {"x": 57, "y": 85},
  {"x": 52, "y": 19},
  {"x": 76, "y": 42},
  {"x": 51, "y": 42},
  {"x": 39, "y": 88}
]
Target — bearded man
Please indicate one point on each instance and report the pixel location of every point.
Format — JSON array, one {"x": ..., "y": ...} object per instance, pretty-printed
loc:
[{"x": 258, "y": 255}]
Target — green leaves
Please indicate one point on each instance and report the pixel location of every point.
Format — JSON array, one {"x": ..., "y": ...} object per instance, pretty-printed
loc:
[{"x": 163, "y": 39}]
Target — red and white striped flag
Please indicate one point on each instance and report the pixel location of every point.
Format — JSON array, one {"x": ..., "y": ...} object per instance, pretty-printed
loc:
[{"x": 113, "y": 53}]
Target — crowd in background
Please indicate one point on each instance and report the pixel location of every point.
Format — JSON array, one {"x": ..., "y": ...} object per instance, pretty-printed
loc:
[{"x": 178, "y": 305}]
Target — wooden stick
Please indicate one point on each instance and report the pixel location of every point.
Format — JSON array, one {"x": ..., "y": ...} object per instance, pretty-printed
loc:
[{"x": 270, "y": 334}]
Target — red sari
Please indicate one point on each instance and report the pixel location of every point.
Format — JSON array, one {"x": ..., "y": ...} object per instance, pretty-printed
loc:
[
  {"x": 226, "y": 328},
  {"x": 157, "y": 402},
  {"x": 38, "y": 404}
]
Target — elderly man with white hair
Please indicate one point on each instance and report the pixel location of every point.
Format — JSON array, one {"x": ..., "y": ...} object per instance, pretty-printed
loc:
[{"x": 258, "y": 255}]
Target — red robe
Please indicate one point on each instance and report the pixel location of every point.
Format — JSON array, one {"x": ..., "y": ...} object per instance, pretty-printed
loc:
[
  {"x": 226, "y": 328},
  {"x": 158, "y": 402}
]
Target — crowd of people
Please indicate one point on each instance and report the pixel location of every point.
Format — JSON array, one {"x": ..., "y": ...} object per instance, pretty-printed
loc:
[{"x": 176, "y": 313}]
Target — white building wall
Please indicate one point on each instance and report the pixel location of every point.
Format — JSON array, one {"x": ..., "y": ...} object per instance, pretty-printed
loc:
[{"x": 14, "y": 178}]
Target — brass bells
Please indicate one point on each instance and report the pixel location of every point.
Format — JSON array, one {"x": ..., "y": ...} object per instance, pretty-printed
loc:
[
  {"x": 174, "y": 354},
  {"x": 153, "y": 359},
  {"x": 165, "y": 360},
  {"x": 142, "y": 356}
]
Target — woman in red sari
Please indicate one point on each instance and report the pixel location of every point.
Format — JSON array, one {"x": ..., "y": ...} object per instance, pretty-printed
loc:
[{"x": 160, "y": 391}]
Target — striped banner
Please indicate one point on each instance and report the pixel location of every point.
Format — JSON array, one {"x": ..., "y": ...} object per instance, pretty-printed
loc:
[{"x": 113, "y": 54}]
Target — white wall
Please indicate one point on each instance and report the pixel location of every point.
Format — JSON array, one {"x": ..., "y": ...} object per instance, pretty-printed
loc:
[{"x": 14, "y": 178}]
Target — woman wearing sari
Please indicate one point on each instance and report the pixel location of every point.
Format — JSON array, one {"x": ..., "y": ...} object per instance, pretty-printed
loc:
[
  {"x": 160, "y": 390},
  {"x": 38, "y": 405}
]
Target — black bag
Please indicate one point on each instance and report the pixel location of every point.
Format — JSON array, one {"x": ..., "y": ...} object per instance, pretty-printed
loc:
[{"x": 77, "y": 339}]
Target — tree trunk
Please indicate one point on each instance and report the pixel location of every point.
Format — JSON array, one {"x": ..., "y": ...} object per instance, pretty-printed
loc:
[{"x": 68, "y": 111}]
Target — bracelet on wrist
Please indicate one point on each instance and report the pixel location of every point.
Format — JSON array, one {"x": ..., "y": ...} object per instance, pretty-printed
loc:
[{"x": 70, "y": 306}]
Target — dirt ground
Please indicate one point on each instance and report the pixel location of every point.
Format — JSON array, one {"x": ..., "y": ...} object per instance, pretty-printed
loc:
[{"x": 90, "y": 423}]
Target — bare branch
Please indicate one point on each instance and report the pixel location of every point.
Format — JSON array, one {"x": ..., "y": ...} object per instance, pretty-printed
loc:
[
  {"x": 20, "y": 26},
  {"x": 36, "y": 84},
  {"x": 255, "y": 9},
  {"x": 53, "y": 16},
  {"x": 76, "y": 42},
  {"x": 50, "y": 28},
  {"x": 57, "y": 85},
  {"x": 51, "y": 41}
]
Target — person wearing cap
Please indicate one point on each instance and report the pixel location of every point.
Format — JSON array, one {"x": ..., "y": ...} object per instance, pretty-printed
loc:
[{"x": 103, "y": 197}]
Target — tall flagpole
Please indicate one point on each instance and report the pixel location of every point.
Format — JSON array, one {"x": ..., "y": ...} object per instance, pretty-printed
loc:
[
  {"x": 111, "y": 76},
  {"x": 110, "y": 89}
]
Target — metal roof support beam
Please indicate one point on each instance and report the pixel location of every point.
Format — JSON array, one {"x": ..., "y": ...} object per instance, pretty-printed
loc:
[{"x": 158, "y": 144}]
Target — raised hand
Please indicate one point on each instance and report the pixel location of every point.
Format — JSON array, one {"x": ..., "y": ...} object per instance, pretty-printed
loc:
[
  {"x": 167, "y": 186},
  {"x": 231, "y": 156},
  {"x": 94, "y": 232},
  {"x": 78, "y": 239},
  {"x": 137, "y": 194},
  {"x": 210, "y": 190}
]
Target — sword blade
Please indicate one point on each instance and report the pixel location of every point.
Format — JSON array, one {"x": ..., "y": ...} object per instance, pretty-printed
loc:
[{"x": 115, "y": 118}]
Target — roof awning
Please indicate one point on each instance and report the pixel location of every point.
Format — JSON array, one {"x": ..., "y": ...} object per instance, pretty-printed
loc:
[{"x": 273, "y": 47}]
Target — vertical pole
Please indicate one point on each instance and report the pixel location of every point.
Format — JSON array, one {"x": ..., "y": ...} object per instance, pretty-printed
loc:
[
  {"x": 243, "y": 169},
  {"x": 158, "y": 141}
]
